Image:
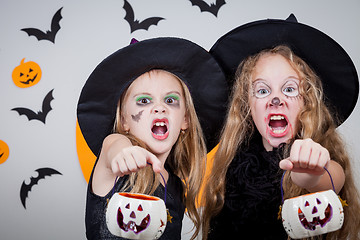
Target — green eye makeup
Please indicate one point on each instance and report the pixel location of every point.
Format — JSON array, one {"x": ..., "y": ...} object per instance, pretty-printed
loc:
[
  {"x": 175, "y": 97},
  {"x": 143, "y": 97}
]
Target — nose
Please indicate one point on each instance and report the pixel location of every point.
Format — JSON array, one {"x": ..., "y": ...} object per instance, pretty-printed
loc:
[
  {"x": 132, "y": 214},
  {"x": 276, "y": 102},
  {"x": 159, "y": 108}
]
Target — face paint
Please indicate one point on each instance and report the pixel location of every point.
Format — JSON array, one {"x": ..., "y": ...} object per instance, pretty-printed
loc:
[
  {"x": 260, "y": 89},
  {"x": 143, "y": 100},
  {"x": 275, "y": 101},
  {"x": 289, "y": 128},
  {"x": 136, "y": 117},
  {"x": 173, "y": 100}
]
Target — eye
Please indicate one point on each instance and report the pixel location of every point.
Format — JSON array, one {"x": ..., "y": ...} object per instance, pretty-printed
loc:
[
  {"x": 143, "y": 100},
  {"x": 140, "y": 208},
  {"x": 30, "y": 70},
  {"x": 291, "y": 89},
  {"x": 261, "y": 89},
  {"x": 262, "y": 92},
  {"x": 172, "y": 99}
]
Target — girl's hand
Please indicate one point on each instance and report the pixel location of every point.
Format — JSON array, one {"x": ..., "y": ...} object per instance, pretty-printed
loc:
[
  {"x": 307, "y": 161},
  {"x": 132, "y": 159},
  {"x": 306, "y": 156}
]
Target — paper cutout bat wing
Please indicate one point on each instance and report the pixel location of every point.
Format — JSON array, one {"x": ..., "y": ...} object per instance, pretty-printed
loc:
[
  {"x": 50, "y": 34},
  {"x": 204, "y": 7},
  {"x": 40, "y": 115},
  {"x": 26, "y": 188},
  {"x": 135, "y": 24}
]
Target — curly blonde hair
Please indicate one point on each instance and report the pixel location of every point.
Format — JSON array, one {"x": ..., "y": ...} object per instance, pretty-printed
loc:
[
  {"x": 186, "y": 160},
  {"x": 316, "y": 121}
]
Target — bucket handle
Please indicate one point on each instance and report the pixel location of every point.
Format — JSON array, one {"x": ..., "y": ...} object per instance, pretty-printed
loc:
[
  {"x": 113, "y": 190},
  {"x": 282, "y": 178}
]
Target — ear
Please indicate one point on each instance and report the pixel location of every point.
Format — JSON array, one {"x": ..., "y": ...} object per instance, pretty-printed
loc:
[
  {"x": 124, "y": 124},
  {"x": 185, "y": 123}
]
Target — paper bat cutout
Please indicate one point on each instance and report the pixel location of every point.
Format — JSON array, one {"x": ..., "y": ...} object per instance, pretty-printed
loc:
[
  {"x": 204, "y": 7},
  {"x": 49, "y": 34},
  {"x": 135, "y": 24},
  {"x": 26, "y": 188},
  {"x": 40, "y": 115}
]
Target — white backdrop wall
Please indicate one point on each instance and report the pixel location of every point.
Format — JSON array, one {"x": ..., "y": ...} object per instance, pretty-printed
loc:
[{"x": 90, "y": 31}]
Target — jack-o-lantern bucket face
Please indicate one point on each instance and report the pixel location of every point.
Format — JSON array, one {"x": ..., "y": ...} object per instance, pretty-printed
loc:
[
  {"x": 136, "y": 216},
  {"x": 312, "y": 214},
  {"x": 27, "y": 74}
]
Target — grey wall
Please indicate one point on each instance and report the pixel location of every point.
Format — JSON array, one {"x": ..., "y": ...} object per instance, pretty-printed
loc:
[{"x": 91, "y": 30}]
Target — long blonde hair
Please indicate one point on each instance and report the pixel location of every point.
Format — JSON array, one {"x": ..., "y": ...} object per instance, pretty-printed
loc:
[
  {"x": 186, "y": 160},
  {"x": 315, "y": 122}
]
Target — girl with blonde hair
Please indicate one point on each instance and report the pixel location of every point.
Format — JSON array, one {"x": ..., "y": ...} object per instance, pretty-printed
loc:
[
  {"x": 138, "y": 112},
  {"x": 294, "y": 86}
]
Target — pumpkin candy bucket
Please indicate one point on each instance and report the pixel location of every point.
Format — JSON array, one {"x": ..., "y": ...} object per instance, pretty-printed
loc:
[
  {"x": 136, "y": 216},
  {"x": 312, "y": 214}
]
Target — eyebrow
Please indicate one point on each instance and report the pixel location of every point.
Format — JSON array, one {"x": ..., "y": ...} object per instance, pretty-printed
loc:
[
  {"x": 293, "y": 78},
  {"x": 260, "y": 80},
  {"x": 289, "y": 78},
  {"x": 172, "y": 93}
]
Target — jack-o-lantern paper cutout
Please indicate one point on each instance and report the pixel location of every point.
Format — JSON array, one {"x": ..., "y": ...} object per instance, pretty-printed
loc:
[
  {"x": 136, "y": 216},
  {"x": 27, "y": 74},
  {"x": 312, "y": 214},
  {"x": 4, "y": 151}
]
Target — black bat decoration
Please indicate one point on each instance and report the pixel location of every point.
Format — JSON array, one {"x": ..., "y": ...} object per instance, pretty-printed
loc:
[
  {"x": 40, "y": 115},
  {"x": 135, "y": 24},
  {"x": 204, "y": 7},
  {"x": 26, "y": 188},
  {"x": 48, "y": 35}
]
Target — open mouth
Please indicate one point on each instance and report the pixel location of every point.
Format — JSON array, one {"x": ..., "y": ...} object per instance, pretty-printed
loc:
[
  {"x": 316, "y": 221},
  {"x": 278, "y": 125},
  {"x": 29, "y": 80},
  {"x": 131, "y": 225},
  {"x": 160, "y": 129}
]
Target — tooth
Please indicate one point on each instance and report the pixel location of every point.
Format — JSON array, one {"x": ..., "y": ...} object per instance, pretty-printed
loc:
[
  {"x": 162, "y": 124},
  {"x": 277, "y": 117},
  {"x": 322, "y": 215}
]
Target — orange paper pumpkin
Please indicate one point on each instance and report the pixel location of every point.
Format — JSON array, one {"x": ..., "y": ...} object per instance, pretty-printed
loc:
[
  {"x": 4, "y": 151},
  {"x": 27, "y": 74}
]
